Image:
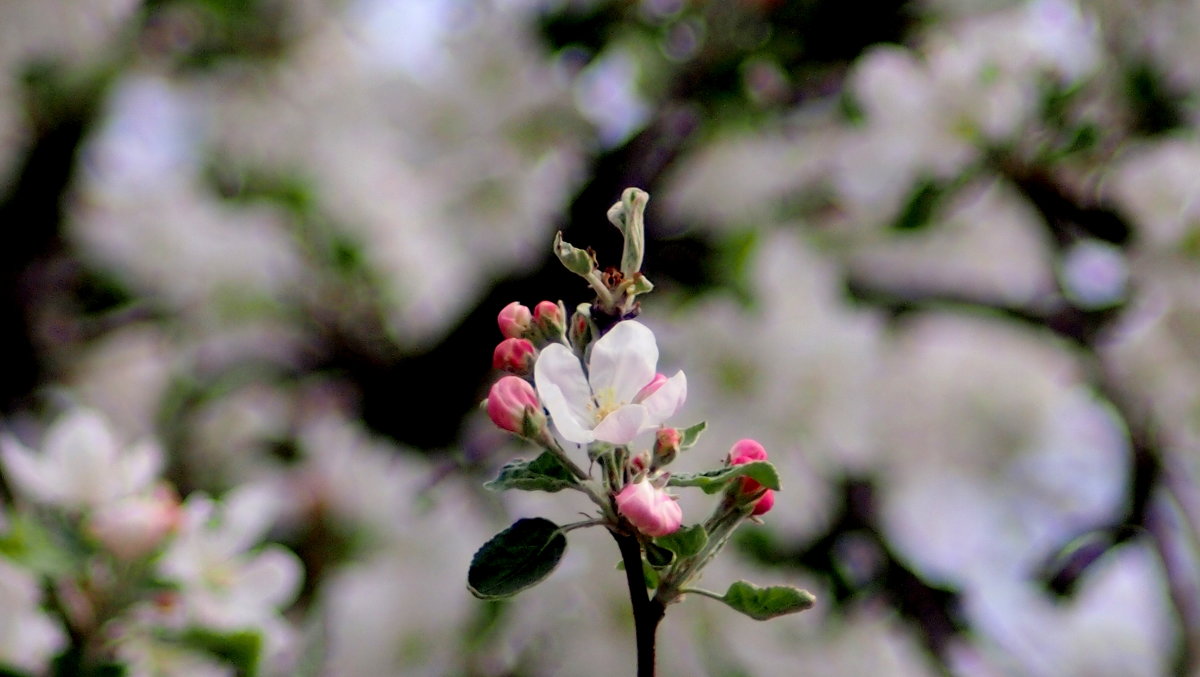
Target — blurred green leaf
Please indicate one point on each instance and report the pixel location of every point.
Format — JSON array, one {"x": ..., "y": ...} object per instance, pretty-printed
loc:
[
  {"x": 241, "y": 648},
  {"x": 33, "y": 546}
]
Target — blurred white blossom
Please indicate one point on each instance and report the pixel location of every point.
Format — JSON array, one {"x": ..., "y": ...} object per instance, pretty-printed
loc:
[
  {"x": 227, "y": 579},
  {"x": 81, "y": 464},
  {"x": 29, "y": 637},
  {"x": 988, "y": 428}
]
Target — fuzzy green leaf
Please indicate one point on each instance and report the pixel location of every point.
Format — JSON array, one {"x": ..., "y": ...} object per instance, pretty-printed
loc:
[
  {"x": 712, "y": 481},
  {"x": 685, "y": 542},
  {"x": 766, "y": 603},
  {"x": 544, "y": 473},
  {"x": 515, "y": 559},
  {"x": 689, "y": 436}
]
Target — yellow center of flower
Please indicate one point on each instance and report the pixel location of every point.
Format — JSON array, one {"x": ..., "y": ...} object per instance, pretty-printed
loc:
[{"x": 604, "y": 403}]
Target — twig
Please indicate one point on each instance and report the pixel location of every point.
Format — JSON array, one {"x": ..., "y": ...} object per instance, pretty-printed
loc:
[{"x": 647, "y": 612}]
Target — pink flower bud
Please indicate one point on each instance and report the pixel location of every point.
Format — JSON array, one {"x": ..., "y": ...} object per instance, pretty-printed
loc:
[
  {"x": 666, "y": 446},
  {"x": 514, "y": 355},
  {"x": 747, "y": 451},
  {"x": 580, "y": 332},
  {"x": 513, "y": 405},
  {"x": 765, "y": 503},
  {"x": 649, "y": 389},
  {"x": 549, "y": 320},
  {"x": 514, "y": 320},
  {"x": 640, "y": 462},
  {"x": 136, "y": 525},
  {"x": 653, "y": 511}
]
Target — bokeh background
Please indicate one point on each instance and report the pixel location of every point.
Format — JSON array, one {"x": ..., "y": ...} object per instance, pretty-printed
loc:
[{"x": 941, "y": 257}]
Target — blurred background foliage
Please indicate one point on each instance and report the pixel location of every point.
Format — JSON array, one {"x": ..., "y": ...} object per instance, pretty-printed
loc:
[{"x": 941, "y": 254}]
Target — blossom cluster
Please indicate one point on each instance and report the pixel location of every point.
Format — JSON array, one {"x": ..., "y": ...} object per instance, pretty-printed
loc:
[
  {"x": 588, "y": 392},
  {"x": 157, "y": 583}
]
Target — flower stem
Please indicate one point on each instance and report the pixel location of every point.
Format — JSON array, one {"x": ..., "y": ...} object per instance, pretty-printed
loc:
[{"x": 647, "y": 612}]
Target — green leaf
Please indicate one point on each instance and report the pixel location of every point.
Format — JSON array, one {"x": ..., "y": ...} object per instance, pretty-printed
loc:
[
  {"x": 576, "y": 260},
  {"x": 35, "y": 547},
  {"x": 544, "y": 473},
  {"x": 658, "y": 556},
  {"x": 766, "y": 603},
  {"x": 628, "y": 216},
  {"x": 686, "y": 541},
  {"x": 689, "y": 436},
  {"x": 241, "y": 649},
  {"x": 650, "y": 574},
  {"x": 515, "y": 559},
  {"x": 712, "y": 481}
]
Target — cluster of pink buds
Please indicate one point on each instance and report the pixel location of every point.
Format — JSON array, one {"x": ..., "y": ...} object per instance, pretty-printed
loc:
[{"x": 512, "y": 403}]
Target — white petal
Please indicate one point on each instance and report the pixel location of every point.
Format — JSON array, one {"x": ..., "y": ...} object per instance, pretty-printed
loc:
[
  {"x": 622, "y": 425},
  {"x": 79, "y": 434},
  {"x": 564, "y": 392},
  {"x": 270, "y": 580},
  {"x": 248, "y": 511},
  {"x": 624, "y": 360},
  {"x": 83, "y": 454},
  {"x": 28, "y": 473},
  {"x": 140, "y": 466},
  {"x": 664, "y": 402}
]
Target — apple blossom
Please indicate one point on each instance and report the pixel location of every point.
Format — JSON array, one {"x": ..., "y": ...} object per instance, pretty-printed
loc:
[
  {"x": 226, "y": 578},
  {"x": 653, "y": 511},
  {"x": 28, "y": 635},
  {"x": 604, "y": 404},
  {"x": 513, "y": 405},
  {"x": 81, "y": 464}
]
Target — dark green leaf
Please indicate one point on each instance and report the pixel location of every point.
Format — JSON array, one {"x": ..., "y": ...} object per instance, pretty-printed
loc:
[
  {"x": 685, "y": 542},
  {"x": 918, "y": 213},
  {"x": 689, "y": 436},
  {"x": 712, "y": 481},
  {"x": 544, "y": 473},
  {"x": 766, "y": 603},
  {"x": 658, "y": 556},
  {"x": 515, "y": 559}
]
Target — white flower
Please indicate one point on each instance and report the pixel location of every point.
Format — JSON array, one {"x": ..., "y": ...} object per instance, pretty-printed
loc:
[
  {"x": 612, "y": 403},
  {"x": 28, "y": 636},
  {"x": 225, "y": 582},
  {"x": 81, "y": 465}
]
